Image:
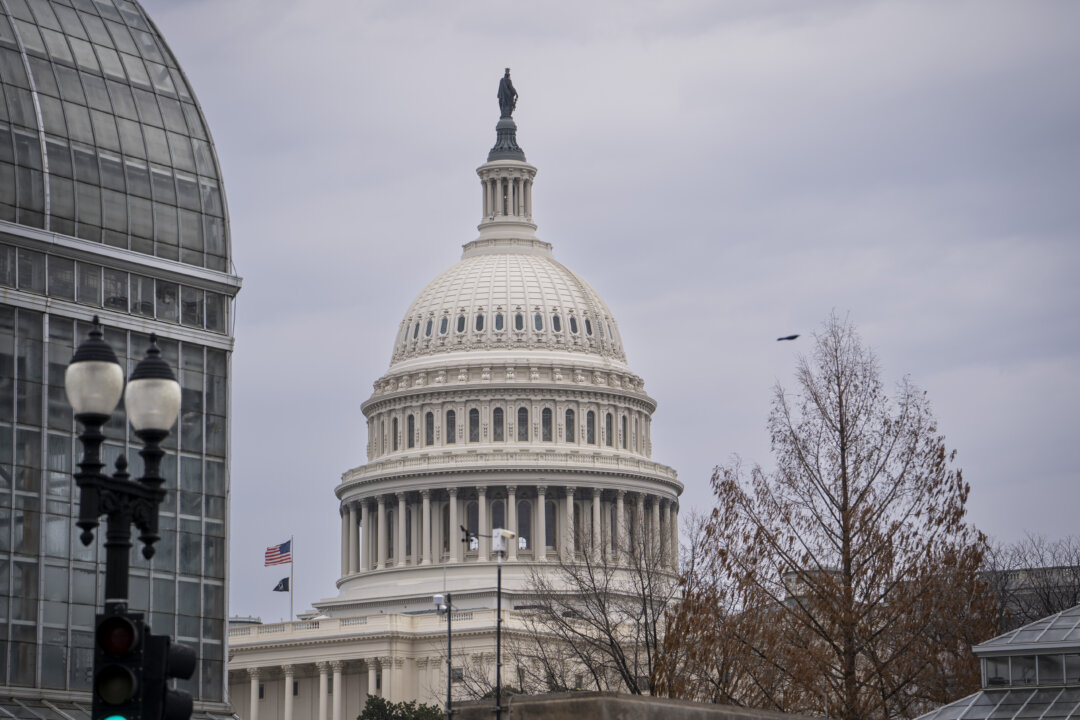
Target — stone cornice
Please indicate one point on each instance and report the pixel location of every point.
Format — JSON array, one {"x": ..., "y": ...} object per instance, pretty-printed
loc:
[{"x": 428, "y": 466}]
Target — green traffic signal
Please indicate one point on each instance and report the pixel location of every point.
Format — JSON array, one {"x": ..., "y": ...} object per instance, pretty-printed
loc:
[{"x": 115, "y": 717}]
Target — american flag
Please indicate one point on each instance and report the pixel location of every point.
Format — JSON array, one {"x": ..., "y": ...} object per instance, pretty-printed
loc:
[{"x": 279, "y": 554}]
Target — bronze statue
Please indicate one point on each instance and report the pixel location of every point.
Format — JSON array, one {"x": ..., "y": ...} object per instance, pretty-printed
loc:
[{"x": 507, "y": 95}]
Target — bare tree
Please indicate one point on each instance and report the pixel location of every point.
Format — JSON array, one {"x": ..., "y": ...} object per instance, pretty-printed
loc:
[
  {"x": 597, "y": 620},
  {"x": 1033, "y": 578},
  {"x": 844, "y": 582}
]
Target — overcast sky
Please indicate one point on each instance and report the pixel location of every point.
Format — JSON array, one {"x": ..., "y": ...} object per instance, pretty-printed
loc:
[{"x": 723, "y": 172}]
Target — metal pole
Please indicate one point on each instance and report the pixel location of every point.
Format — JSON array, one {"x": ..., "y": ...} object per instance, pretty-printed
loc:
[
  {"x": 449, "y": 656},
  {"x": 498, "y": 639}
]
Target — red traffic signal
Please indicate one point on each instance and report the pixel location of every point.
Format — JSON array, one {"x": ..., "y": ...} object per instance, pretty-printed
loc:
[{"x": 118, "y": 650}]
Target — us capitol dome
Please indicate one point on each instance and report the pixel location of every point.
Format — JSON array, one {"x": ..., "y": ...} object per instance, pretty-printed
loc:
[{"x": 508, "y": 403}]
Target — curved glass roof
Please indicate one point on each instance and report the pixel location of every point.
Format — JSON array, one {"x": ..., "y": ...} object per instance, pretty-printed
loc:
[
  {"x": 101, "y": 136},
  {"x": 1061, "y": 628}
]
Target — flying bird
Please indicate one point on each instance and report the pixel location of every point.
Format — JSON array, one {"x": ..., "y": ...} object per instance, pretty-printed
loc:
[{"x": 787, "y": 337}]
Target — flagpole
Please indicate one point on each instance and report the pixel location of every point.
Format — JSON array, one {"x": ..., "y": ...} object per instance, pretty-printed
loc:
[{"x": 292, "y": 562}]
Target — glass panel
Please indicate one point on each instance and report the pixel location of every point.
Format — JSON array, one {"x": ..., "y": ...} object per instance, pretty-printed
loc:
[
  {"x": 523, "y": 424},
  {"x": 169, "y": 303},
  {"x": 479, "y": 322},
  {"x": 556, "y": 323},
  {"x": 62, "y": 277},
  {"x": 499, "y": 321},
  {"x": 1023, "y": 670},
  {"x": 142, "y": 295},
  {"x": 1051, "y": 669},
  {"x": 451, "y": 425},
  {"x": 497, "y": 425},
  {"x": 570, "y": 426},
  {"x": 215, "y": 312},
  {"x": 116, "y": 290},
  {"x": 89, "y": 284},
  {"x": 519, "y": 322},
  {"x": 31, "y": 271},
  {"x": 538, "y": 322},
  {"x": 545, "y": 425},
  {"x": 191, "y": 302},
  {"x": 1072, "y": 668}
]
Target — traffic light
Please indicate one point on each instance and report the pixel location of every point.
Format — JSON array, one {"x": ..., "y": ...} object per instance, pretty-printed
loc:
[
  {"x": 118, "y": 656},
  {"x": 163, "y": 660}
]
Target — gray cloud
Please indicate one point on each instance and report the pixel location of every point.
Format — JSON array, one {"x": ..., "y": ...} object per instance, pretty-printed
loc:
[{"x": 722, "y": 173}]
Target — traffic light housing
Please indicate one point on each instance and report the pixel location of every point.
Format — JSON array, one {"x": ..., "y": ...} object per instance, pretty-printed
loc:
[
  {"x": 165, "y": 659},
  {"x": 118, "y": 658}
]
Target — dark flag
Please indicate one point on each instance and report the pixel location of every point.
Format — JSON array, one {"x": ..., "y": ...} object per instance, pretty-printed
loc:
[{"x": 282, "y": 586}]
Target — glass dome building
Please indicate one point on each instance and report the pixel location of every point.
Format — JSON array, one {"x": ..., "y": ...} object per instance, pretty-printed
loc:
[
  {"x": 111, "y": 204},
  {"x": 1030, "y": 672}
]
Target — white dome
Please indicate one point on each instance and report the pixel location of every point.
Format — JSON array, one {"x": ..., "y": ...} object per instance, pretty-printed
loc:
[{"x": 508, "y": 294}]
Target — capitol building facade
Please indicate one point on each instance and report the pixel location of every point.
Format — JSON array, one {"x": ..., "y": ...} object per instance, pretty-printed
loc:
[{"x": 509, "y": 404}]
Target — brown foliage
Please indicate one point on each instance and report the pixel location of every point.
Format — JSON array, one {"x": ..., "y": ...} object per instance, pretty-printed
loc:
[{"x": 844, "y": 582}]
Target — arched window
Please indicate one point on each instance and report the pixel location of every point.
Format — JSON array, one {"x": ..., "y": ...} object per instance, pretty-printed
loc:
[
  {"x": 524, "y": 525},
  {"x": 427, "y": 328},
  {"x": 382, "y": 434},
  {"x": 556, "y": 323},
  {"x": 573, "y": 325},
  {"x": 472, "y": 522},
  {"x": 499, "y": 321},
  {"x": 624, "y": 441},
  {"x": 394, "y": 427},
  {"x": 498, "y": 514},
  {"x": 609, "y": 430},
  {"x": 479, "y": 322},
  {"x": 570, "y": 426},
  {"x": 408, "y": 534},
  {"x": 461, "y": 323},
  {"x": 545, "y": 425},
  {"x": 497, "y": 424},
  {"x": 412, "y": 431},
  {"x": 446, "y": 527},
  {"x": 451, "y": 427},
  {"x": 538, "y": 322},
  {"x": 519, "y": 322},
  {"x": 588, "y": 327},
  {"x": 600, "y": 328},
  {"x": 416, "y": 330},
  {"x": 391, "y": 517},
  {"x": 474, "y": 425},
  {"x": 429, "y": 428},
  {"x": 590, "y": 427},
  {"x": 523, "y": 424},
  {"x": 444, "y": 325},
  {"x": 549, "y": 524}
]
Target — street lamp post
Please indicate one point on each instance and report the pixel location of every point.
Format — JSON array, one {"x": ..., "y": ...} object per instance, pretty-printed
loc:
[
  {"x": 499, "y": 539},
  {"x": 441, "y": 607},
  {"x": 132, "y": 666},
  {"x": 94, "y": 382}
]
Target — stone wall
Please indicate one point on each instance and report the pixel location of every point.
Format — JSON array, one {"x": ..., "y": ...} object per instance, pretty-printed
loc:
[{"x": 610, "y": 706}]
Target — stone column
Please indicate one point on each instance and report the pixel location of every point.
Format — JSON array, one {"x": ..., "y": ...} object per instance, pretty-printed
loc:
[
  {"x": 674, "y": 527},
  {"x": 425, "y": 528},
  {"x": 354, "y": 541},
  {"x": 655, "y": 535},
  {"x": 483, "y": 527},
  {"x": 253, "y": 675},
  {"x": 511, "y": 520},
  {"x": 344, "y": 542},
  {"x": 597, "y": 542},
  {"x": 339, "y": 694},
  {"x": 641, "y": 537},
  {"x": 399, "y": 551},
  {"x": 568, "y": 536},
  {"x": 372, "y": 677},
  {"x": 451, "y": 536},
  {"x": 620, "y": 526},
  {"x": 290, "y": 678},
  {"x": 365, "y": 533},
  {"x": 387, "y": 665},
  {"x": 382, "y": 533},
  {"x": 323, "y": 667},
  {"x": 665, "y": 532},
  {"x": 540, "y": 548}
]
